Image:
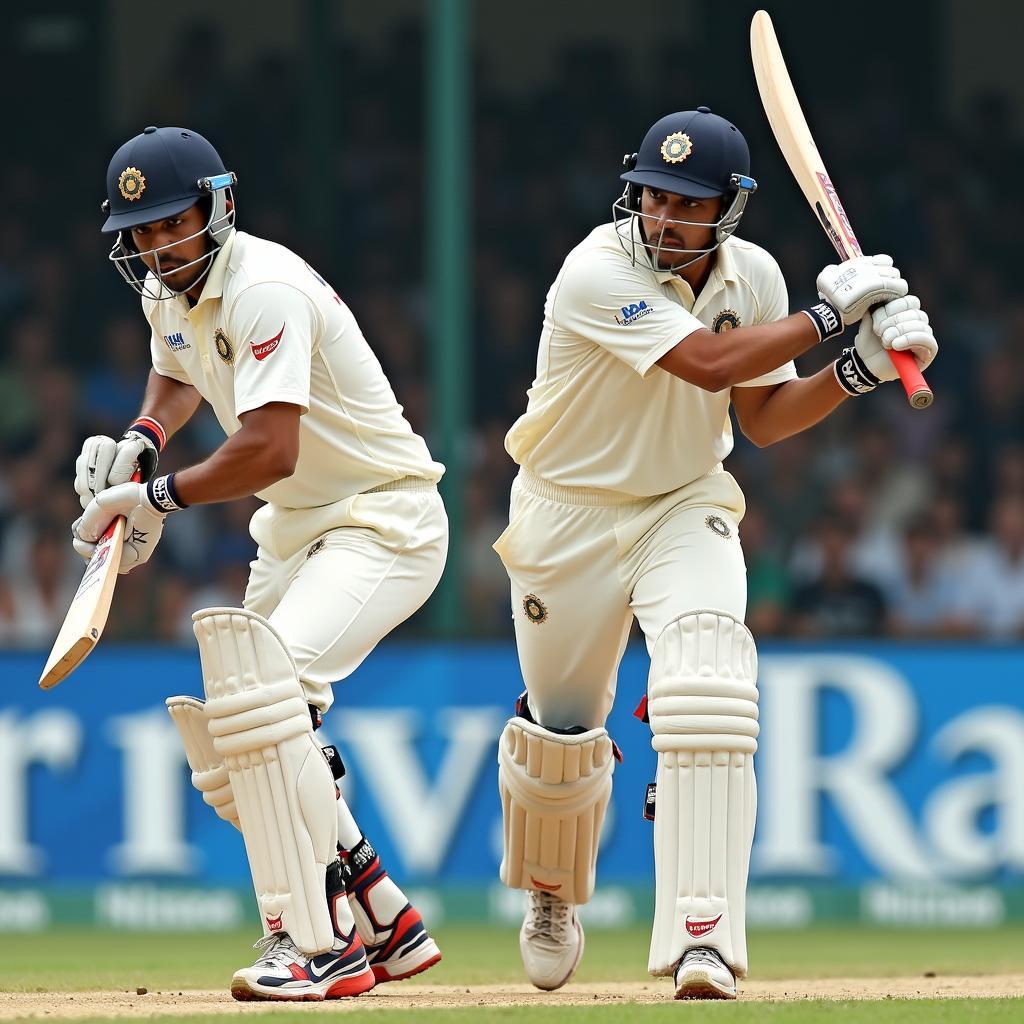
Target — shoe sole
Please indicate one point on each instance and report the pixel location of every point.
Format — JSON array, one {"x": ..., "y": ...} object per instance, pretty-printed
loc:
[
  {"x": 699, "y": 985},
  {"x": 343, "y": 988},
  {"x": 405, "y": 969}
]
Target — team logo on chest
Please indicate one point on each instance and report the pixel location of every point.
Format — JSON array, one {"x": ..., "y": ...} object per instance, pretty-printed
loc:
[
  {"x": 725, "y": 321},
  {"x": 223, "y": 343}
]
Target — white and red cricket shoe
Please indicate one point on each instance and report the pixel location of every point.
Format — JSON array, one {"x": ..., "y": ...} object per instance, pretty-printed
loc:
[{"x": 396, "y": 941}]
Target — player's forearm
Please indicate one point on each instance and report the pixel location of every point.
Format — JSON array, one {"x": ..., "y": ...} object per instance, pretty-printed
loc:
[
  {"x": 795, "y": 406},
  {"x": 718, "y": 361},
  {"x": 240, "y": 467},
  {"x": 169, "y": 402},
  {"x": 263, "y": 452}
]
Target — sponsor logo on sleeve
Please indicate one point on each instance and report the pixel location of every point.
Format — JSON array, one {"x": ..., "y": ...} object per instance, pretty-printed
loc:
[
  {"x": 633, "y": 312},
  {"x": 262, "y": 349}
]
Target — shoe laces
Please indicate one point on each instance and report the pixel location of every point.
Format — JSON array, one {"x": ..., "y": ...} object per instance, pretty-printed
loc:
[
  {"x": 705, "y": 955},
  {"x": 549, "y": 917},
  {"x": 277, "y": 950}
]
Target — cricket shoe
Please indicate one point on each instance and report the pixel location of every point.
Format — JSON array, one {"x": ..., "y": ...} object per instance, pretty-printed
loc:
[
  {"x": 283, "y": 971},
  {"x": 703, "y": 974},
  {"x": 396, "y": 941},
  {"x": 550, "y": 941}
]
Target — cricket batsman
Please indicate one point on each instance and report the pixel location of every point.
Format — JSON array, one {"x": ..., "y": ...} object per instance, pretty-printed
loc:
[
  {"x": 352, "y": 539},
  {"x": 656, "y": 324}
]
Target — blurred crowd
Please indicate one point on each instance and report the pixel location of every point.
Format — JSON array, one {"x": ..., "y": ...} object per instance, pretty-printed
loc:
[{"x": 881, "y": 521}]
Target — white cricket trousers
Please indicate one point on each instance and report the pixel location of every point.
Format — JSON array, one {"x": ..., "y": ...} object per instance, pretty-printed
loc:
[
  {"x": 583, "y": 563},
  {"x": 334, "y": 581}
]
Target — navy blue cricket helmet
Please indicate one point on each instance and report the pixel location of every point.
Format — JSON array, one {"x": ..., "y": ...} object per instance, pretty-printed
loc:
[
  {"x": 158, "y": 174},
  {"x": 692, "y": 153}
]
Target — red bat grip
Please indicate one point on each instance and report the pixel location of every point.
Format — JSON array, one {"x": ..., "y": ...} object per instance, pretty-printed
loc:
[{"x": 919, "y": 394}]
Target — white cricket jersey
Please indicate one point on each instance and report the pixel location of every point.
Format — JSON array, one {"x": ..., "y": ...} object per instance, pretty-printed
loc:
[
  {"x": 600, "y": 413},
  {"x": 268, "y": 328}
]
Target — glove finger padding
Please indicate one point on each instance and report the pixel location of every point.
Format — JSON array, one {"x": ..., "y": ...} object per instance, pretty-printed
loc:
[
  {"x": 894, "y": 307},
  {"x": 83, "y": 547},
  {"x": 903, "y": 325},
  {"x": 869, "y": 347},
  {"x": 127, "y": 459},
  {"x": 856, "y": 285},
  {"x": 920, "y": 341},
  {"x": 92, "y": 467}
]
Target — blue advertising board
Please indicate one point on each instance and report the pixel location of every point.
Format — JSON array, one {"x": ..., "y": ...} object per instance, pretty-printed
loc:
[{"x": 878, "y": 766}]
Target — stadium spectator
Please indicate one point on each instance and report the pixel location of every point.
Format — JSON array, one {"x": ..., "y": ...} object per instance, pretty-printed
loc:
[{"x": 836, "y": 603}]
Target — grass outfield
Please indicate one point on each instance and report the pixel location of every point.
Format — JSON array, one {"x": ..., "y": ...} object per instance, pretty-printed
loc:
[
  {"x": 71, "y": 960},
  {"x": 66, "y": 961}
]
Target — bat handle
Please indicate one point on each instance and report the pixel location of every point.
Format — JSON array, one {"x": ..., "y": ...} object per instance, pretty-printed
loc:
[{"x": 919, "y": 394}]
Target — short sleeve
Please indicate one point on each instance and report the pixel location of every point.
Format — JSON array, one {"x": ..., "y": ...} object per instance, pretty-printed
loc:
[
  {"x": 772, "y": 304},
  {"x": 274, "y": 325},
  {"x": 622, "y": 309},
  {"x": 164, "y": 362}
]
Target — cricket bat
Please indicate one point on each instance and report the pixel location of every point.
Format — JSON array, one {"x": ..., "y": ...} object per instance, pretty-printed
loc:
[
  {"x": 797, "y": 144},
  {"x": 87, "y": 615}
]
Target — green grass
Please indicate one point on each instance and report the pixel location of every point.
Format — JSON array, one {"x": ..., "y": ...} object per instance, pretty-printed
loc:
[
  {"x": 925, "y": 1011},
  {"x": 71, "y": 959}
]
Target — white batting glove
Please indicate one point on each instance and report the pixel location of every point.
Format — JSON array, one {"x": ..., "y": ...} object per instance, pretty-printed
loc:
[
  {"x": 84, "y": 547},
  {"x": 145, "y": 506},
  {"x": 856, "y": 285},
  {"x": 903, "y": 325},
  {"x": 866, "y": 363},
  {"x": 105, "y": 463}
]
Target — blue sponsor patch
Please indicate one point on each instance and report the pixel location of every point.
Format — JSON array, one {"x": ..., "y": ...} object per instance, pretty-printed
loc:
[
  {"x": 633, "y": 311},
  {"x": 176, "y": 342}
]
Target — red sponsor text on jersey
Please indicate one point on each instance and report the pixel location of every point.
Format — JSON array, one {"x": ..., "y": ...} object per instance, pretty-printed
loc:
[{"x": 262, "y": 349}]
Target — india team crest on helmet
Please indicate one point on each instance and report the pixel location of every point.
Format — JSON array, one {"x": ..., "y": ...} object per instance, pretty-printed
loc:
[
  {"x": 676, "y": 148},
  {"x": 131, "y": 184},
  {"x": 726, "y": 320}
]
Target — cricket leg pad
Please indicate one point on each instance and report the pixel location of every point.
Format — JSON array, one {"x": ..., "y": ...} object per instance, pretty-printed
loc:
[
  {"x": 555, "y": 789},
  {"x": 209, "y": 775},
  {"x": 702, "y": 702},
  {"x": 284, "y": 791}
]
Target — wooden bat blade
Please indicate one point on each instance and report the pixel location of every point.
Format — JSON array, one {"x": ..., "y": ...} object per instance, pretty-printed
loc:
[
  {"x": 87, "y": 614},
  {"x": 791, "y": 131}
]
